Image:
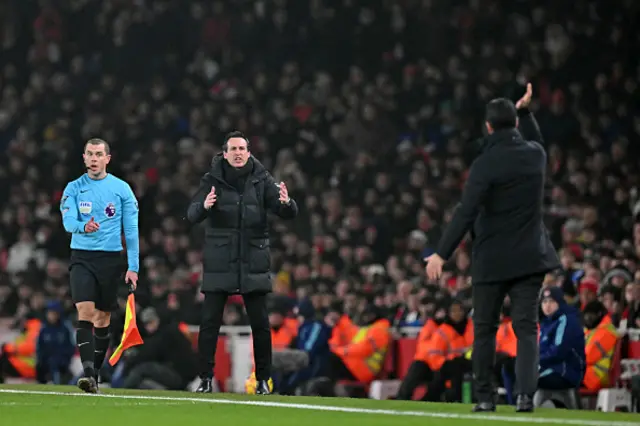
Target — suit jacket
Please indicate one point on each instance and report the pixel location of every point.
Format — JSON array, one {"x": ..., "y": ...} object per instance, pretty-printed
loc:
[{"x": 502, "y": 207}]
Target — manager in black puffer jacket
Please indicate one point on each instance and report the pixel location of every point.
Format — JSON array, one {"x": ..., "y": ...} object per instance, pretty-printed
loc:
[{"x": 234, "y": 198}]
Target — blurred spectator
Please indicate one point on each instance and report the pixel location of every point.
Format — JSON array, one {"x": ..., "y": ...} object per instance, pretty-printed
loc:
[
  {"x": 601, "y": 339},
  {"x": 18, "y": 358},
  {"x": 562, "y": 340},
  {"x": 55, "y": 346},
  {"x": 163, "y": 81},
  {"x": 165, "y": 361},
  {"x": 632, "y": 303}
]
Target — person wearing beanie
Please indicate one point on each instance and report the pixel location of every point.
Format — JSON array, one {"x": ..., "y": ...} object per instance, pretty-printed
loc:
[
  {"x": 587, "y": 290},
  {"x": 562, "y": 343},
  {"x": 601, "y": 339}
]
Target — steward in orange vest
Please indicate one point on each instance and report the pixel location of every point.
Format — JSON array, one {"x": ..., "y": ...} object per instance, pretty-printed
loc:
[
  {"x": 343, "y": 332},
  {"x": 447, "y": 355},
  {"x": 18, "y": 359},
  {"x": 362, "y": 358},
  {"x": 600, "y": 342},
  {"x": 440, "y": 358},
  {"x": 283, "y": 330}
]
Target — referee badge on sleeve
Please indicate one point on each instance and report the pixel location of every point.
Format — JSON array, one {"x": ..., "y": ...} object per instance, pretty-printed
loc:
[{"x": 85, "y": 207}]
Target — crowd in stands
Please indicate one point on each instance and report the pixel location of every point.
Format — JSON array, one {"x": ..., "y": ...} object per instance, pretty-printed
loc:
[{"x": 369, "y": 111}]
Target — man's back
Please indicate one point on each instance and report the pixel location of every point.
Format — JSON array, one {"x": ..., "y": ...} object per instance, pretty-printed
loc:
[
  {"x": 509, "y": 237},
  {"x": 501, "y": 207}
]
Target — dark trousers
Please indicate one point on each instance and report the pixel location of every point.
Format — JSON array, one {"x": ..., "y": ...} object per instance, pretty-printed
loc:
[
  {"x": 337, "y": 370},
  {"x": 418, "y": 374},
  {"x": 506, "y": 362},
  {"x": 58, "y": 373},
  {"x": 6, "y": 368},
  {"x": 212, "y": 311},
  {"x": 161, "y": 374},
  {"x": 487, "y": 304},
  {"x": 453, "y": 370}
]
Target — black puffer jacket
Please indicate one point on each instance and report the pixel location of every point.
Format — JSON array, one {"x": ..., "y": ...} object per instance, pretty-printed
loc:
[{"x": 236, "y": 257}]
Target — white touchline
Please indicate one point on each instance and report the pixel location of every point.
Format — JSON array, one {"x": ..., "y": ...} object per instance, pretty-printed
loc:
[{"x": 273, "y": 404}]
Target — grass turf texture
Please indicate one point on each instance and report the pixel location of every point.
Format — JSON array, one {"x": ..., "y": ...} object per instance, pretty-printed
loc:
[{"x": 22, "y": 405}]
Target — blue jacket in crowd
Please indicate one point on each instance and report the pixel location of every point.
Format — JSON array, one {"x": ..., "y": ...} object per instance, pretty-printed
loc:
[
  {"x": 562, "y": 342},
  {"x": 56, "y": 342},
  {"x": 313, "y": 338}
]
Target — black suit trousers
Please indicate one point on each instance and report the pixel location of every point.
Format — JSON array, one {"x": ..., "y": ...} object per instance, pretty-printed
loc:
[
  {"x": 212, "y": 312},
  {"x": 487, "y": 304}
]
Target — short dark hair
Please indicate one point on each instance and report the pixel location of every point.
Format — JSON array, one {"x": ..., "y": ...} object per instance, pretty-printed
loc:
[
  {"x": 501, "y": 113},
  {"x": 234, "y": 134},
  {"x": 98, "y": 141}
]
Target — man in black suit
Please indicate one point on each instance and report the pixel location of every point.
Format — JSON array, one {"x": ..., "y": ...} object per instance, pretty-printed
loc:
[{"x": 511, "y": 252}]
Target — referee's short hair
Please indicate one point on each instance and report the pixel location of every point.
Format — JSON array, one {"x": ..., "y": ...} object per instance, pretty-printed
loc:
[
  {"x": 501, "y": 113},
  {"x": 234, "y": 134},
  {"x": 98, "y": 141}
]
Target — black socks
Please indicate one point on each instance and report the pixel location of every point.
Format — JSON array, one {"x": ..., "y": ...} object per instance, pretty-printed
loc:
[
  {"x": 85, "y": 342},
  {"x": 102, "y": 338}
]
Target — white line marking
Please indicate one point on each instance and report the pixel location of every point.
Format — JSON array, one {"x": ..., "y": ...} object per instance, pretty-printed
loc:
[{"x": 273, "y": 404}]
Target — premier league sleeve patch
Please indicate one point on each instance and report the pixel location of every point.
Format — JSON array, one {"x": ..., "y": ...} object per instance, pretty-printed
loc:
[{"x": 110, "y": 210}]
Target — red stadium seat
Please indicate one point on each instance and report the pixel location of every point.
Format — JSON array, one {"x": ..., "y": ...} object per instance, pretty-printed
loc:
[
  {"x": 406, "y": 350},
  {"x": 633, "y": 351}
]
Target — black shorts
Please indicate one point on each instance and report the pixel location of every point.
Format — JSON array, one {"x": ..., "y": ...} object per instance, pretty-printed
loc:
[{"x": 96, "y": 276}]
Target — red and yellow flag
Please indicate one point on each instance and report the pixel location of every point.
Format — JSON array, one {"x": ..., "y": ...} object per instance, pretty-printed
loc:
[{"x": 130, "y": 336}]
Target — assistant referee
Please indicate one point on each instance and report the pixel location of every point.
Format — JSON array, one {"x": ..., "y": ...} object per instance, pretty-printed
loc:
[
  {"x": 511, "y": 252},
  {"x": 95, "y": 209}
]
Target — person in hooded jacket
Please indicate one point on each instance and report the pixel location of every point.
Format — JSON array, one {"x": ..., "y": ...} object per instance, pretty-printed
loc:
[
  {"x": 313, "y": 339},
  {"x": 55, "y": 346},
  {"x": 234, "y": 199},
  {"x": 562, "y": 343}
]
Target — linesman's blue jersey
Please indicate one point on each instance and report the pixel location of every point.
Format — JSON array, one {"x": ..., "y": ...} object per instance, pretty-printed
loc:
[{"x": 113, "y": 205}]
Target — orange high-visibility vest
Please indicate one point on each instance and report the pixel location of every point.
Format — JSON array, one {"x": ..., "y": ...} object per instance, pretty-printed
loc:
[
  {"x": 446, "y": 344},
  {"x": 364, "y": 356},
  {"x": 599, "y": 346}
]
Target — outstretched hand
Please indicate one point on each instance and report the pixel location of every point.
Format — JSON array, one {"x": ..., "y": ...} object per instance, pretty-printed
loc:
[
  {"x": 211, "y": 198},
  {"x": 434, "y": 266},
  {"x": 525, "y": 100},
  {"x": 284, "y": 193}
]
